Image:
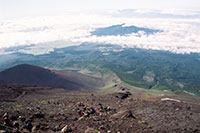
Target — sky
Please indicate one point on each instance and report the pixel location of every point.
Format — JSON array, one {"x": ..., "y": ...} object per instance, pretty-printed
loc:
[
  {"x": 25, "y": 22},
  {"x": 22, "y": 8}
]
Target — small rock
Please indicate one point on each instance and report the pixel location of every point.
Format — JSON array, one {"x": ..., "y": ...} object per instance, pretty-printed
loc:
[
  {"x": 102, "y": 127},
  {"x": 123, "y": 95},
  {"x": 35, "y": 128},
  {"x": 130, "y": 115},
  {"x": 56, "y": 128},
  {"x": 66, "y": 129},
  {"x": 37, "y": 115},
  {"x": 22, "y": 118},
  {"x": 75, "y": 119},
  {"x": 81, "y": 118},
  {"x": 91, "y": 111},
  {"x": 126, "y": 95},
  {"x": 123, "y": 114},
  {"x": 13, "y": 118},
  {"x": 177, "y": 109},
  {"x": 91, "y": 130},
  {"x": 3, "y": 131},
  {"x": 108, "y": 108},
  {"x": 195, "y": 131},
  {"x": 28, "y": 126},
  {"x": 16, "y": 124}
]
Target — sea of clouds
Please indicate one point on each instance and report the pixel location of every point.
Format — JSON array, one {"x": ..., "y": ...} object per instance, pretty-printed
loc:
[{"x": 181, "y": 29}]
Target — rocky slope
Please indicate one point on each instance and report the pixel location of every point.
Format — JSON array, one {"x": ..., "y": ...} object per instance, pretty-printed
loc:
[
  {"x": 30, "y": 108},
  {"x": 86, "y": 112}
]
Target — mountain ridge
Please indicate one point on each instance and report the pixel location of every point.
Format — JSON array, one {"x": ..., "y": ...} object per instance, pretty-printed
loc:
[{"x": 121, "y": 30}]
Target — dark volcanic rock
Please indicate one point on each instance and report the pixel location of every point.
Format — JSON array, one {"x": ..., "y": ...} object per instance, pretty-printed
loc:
[
  {"x": 28, "y": 125},
  {"x": 122, "y": 95},
  {"x": 34, "y": 75},
  {"x": 38, "y": 116},
  {"x": 105, "y": 113}
]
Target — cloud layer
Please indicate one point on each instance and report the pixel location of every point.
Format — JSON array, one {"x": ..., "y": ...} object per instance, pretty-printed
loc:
[{"x": 181, "y": 34}]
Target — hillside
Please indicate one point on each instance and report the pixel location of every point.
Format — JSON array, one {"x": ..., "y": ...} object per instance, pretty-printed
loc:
[
  {"x": 34, "y": 75},
  {"x": 11, "y": 92},
  {"x": 148, "y": 69}
]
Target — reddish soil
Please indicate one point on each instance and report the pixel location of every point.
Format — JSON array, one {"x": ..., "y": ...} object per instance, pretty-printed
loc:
[
  {"x": 50, "y": 110},
  {"x": 34, "y": 75}
]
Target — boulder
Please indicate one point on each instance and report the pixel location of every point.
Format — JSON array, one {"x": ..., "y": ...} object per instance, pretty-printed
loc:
[{"x": 122, "y": 95}]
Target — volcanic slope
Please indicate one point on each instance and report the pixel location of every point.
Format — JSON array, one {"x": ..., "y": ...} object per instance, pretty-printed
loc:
[{"x": 34, "y": 75}]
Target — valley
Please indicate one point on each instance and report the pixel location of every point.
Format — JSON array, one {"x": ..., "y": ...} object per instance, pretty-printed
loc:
[
  {"x": 106, "y": 66},
  {"x": 88, "y": 87},
  {"x": 149, "y": 69}
]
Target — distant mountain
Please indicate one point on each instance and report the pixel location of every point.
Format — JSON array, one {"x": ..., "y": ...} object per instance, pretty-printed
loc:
[
  {"x": 122, "y": 30},
  {"x": 34, "y": 75}
]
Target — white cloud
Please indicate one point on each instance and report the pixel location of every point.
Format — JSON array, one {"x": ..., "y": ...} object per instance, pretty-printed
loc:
[
  {"x": 179, "y": 36},
  {"x": 184, "y": 12}
]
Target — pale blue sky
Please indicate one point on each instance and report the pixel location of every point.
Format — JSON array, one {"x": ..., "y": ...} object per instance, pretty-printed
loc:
[{"x": 36, "y": 7}]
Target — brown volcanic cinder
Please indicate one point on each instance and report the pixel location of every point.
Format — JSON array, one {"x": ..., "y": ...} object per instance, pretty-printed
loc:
[{"x": 34, "y": 75}]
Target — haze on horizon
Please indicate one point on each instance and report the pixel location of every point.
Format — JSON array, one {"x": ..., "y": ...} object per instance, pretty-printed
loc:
[
  {"x": 25, "y": 22},
  {"x": 12, "y": 8}
]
